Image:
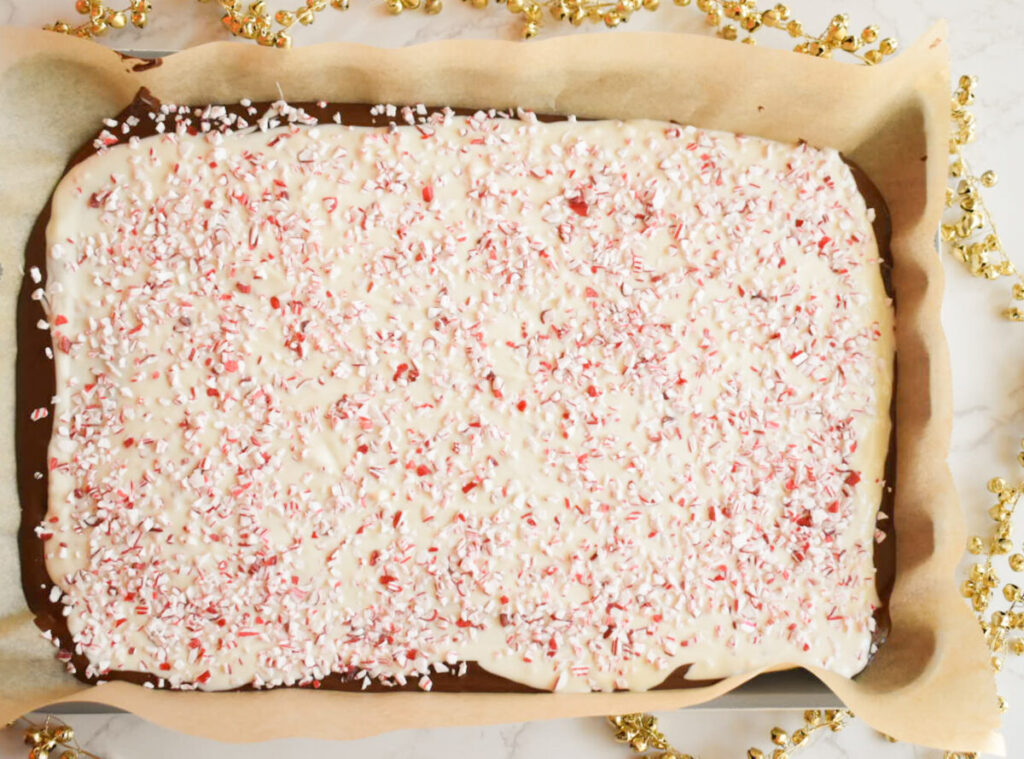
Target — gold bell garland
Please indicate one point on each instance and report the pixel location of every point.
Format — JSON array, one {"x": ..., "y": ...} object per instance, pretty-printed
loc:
[
  {"x": 733, "y": 19},
  {"x": 973, "y": 237},
  {"x": 1003, "y": 628},
  {"x": 101, "y": 18},
  {"x": 642, "y": 733},
  {"x": 53, "y": 739}
]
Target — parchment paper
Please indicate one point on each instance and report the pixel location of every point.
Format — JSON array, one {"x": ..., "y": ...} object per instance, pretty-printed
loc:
[{"x": 930, "y": 682}]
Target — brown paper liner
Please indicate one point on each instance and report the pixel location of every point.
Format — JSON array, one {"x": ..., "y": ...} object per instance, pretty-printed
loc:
[{"x": 930, "y": 683}]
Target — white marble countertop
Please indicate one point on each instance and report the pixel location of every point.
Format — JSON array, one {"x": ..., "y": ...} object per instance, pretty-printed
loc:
[{"x": 988, "y": 363}]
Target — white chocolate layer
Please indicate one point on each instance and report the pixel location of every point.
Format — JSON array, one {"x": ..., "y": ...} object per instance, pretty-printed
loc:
[{"x": 582, "y": 402}]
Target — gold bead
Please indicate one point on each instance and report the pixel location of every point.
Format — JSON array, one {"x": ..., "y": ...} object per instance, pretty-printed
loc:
[
  {"x": 755, "y": 753},
  {"x": 989, "y": 178},
  {"x": 779, "y": 736},
  {"x": 612, "y": 19},
  {"x": 98, "y": 27},
  {"x": 140, "y": 19},
  {"x": 38, "y": 752},
  {"x": 968, "y": 82},
  {"x": 433, "y": 6},
  {"x": 394, "y": 7},
  {"x": 1011, "y": 592},
  {"x": 70, "y": 753},
  {"x": 339, "y": 5},
  {"x": 816, "y": 48},
  {"x": 638, "y": 744},
  {"x": 749, "y": 41},
  {"x": 713, "y": 17},
  {"x": 997, "y": 663},
  {"x": 117, "y": 19},
  {"x": 1016, "y": 646},
  {"x": 728, "y": 32},
  {"x": 795, "y": 28},
  {"x": 887, "y": 46},
  {"x": 869, "y": 34},
  {"x": 1016, "y": 314},
  {"x": 780, "y": 754},
  {"x": 64, "y": 734},
  {"x": 530, "y": 30},
  {"x": 515, "y": 6},
  {"x": 975, "y": 545},
  {"x": 872, "y": 57},
  {"x": 1002, "y": 547},
  {"x": 733, "y": 10},
  {"x": 34, "y": 736},
  {"x": 812, "y": 717},
  {"x": 532, "y": 12},
  {"x": 83, "y": 7},
  {"x": 799, "y": 737},
  {"x": 285, "y": 18},
  {"x": 478, "y": 3},
  {"x": 996, "y": 485},
  {"x": 283, "y": 40},
  {"x": 782, "y": 11},
  {"x": 682, "y": 3},
  {"x": 850, "y": 44},
  {"x": 650, "y": 5}
]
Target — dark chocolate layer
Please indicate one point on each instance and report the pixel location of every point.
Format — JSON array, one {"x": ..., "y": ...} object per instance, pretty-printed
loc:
[{"x": 36, "y": 385}]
